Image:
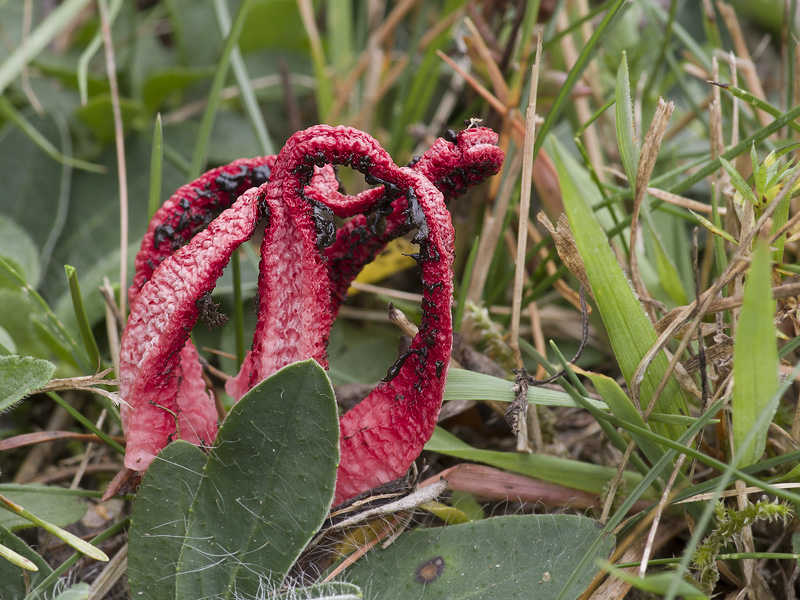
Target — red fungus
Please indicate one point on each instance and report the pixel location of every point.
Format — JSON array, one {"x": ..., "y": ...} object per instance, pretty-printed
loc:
[{"x": 305, "y": 267}]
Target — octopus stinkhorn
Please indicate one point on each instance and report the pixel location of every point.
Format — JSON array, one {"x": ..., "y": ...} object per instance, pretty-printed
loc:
[{"x": 305, "y": 270}]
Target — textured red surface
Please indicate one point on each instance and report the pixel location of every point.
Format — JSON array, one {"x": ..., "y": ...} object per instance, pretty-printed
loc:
[{"x": 306, "y": 268}]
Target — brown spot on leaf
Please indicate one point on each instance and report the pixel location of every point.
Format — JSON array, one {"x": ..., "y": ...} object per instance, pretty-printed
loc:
[{"x": 430, "y": 570}]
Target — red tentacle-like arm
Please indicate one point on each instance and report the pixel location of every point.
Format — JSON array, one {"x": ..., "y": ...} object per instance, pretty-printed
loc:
[
  {"x": 386, "y": 432},
  {"x": 160, "y": 375},
  {"x": 305, "y": 263}
]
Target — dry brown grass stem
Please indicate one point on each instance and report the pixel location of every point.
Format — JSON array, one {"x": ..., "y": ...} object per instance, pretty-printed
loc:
[
  {"x": 612, "y": 489},
  {"x": 647, "y": 161},
  {"x": 682, "y": 201},
  {"x": 525, "y": 204},
  {"x": 114, "y": 322}
]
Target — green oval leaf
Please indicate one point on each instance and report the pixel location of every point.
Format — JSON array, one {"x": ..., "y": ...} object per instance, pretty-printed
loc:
[
  {"x": 158, "y": 521},
  {"x": 266, "y": 488},
  {"x": 527, "y": 557}
]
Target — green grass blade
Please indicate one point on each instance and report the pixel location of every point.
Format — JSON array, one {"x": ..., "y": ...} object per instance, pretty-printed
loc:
[
  {"x": 626, "y": 129},
  {"x": 571, "y": 473},
  {"x": 619, "y": 403},
  {"x": 629, "y": 329},
  {"x": 464, "y": 287},
  {"x": 755, "y": 359},
  {"x": 78, "y": 416},
  {"x": 756, "y": 102},
  {"x": 89, "y": 343},
  {"x": 717, "y": 230},
  {"x": 17, "y": 559},
  {"x": 51, "y": 323},
  {"x": 729, "y": 472},
  {"x": 637, "y": 493},
  {"x": 738, "y": 182},
  {"x": 339, "y": 22},
  {"x": 156, "y": 169},
  {"x": 38, "y": 593},
  {"x": 65, "y": 536},
  {"x": 744, "y": 146}
]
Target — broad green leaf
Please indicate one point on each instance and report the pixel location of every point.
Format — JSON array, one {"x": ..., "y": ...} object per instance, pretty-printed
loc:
[
  {"x": 528, "y": 556},
  {"x": 657, "y": 583},
  {"x": 17, "y": 247},
  {"x": 266, "y": 488},
  {"x": 12, "y": 577},
  {"x": 630, "y": 331},
  {"x": 158, "y": 521},
  {"x": 755, "y": 358},
  {"x": 19, "y": 376},
  {"x": 626, "y": 128},
  {"x": 571, "y": 473}
]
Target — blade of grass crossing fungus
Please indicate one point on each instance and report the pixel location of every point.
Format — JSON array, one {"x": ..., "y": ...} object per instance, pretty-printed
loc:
[
  {"x": 464, "y": 287},
  {"x": 755, "y": 359},
  {"x": 156, "y": 168},
  {"x": 629, "y": 329}
]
